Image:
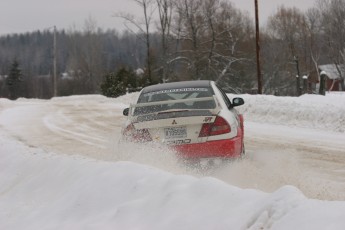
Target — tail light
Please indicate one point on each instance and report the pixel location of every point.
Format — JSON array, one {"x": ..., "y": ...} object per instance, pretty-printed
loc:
[
  {"x": 137, "y": 135},
  {"x": 219, "y": 126},
  {"x": 241, "y": 120}
]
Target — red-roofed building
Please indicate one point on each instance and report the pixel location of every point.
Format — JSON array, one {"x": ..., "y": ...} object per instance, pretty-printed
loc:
[{"x": 333, "y": 76}]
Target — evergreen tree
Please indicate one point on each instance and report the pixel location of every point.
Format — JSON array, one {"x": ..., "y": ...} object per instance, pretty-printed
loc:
[
  {"x": 117, "y": 84},
  {"x": 13, "y": 80}
]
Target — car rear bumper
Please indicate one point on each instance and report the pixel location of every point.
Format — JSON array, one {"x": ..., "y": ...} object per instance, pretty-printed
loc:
[{"x": 230, "y": 148}]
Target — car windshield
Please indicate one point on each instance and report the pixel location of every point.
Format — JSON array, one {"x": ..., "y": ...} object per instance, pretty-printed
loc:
[{"x": 192, "y": 95}]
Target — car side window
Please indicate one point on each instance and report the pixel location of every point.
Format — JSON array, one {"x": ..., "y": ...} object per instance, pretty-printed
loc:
[{"x": 225, "y": 97}]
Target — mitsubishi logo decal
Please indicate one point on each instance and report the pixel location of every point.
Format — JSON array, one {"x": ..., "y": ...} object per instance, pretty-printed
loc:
[{"x": 174, "y": 122}]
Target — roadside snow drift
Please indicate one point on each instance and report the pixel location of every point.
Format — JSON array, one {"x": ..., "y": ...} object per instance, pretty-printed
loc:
[
  {"x": 47, "y": 191},
  {"x": 309, "y": 111},
  {"x": 42, "y": 189}
]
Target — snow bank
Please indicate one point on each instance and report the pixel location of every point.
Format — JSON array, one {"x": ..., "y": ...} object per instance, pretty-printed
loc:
[
  {"x": 307, "y": 111},
  {"x": 39, "y": 190}
]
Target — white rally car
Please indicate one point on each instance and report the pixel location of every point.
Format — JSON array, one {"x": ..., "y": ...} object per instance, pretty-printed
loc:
[{"x": 195, "y": 118}]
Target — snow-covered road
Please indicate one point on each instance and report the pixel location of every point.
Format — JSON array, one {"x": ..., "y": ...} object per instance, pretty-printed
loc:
[{"x": 285, "y": 151}]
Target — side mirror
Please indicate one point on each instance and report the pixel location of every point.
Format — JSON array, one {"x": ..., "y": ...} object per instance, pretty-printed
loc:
[
  {"x": 237, "y": 101},
  {"x": 125, "y": 112}
]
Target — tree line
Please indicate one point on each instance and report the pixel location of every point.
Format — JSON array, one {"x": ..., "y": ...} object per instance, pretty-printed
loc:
[{"x": 178, "y": 40}]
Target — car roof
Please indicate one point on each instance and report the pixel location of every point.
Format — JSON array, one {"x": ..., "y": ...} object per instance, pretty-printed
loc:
[{"x": 178, "y": 85}]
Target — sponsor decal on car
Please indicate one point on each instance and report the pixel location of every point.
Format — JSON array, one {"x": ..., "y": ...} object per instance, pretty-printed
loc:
[
  {"x": 176, "y": 90},
  {"x": 178, "y": 142},
  {"x": 207, "y": 119}
]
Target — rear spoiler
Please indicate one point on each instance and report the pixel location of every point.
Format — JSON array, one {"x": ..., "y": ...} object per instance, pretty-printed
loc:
[{"x": 214, "y": 110}]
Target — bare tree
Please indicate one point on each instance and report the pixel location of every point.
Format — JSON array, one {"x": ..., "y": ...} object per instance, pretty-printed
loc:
[
  {"x": 288, "y": 26},
  {"x": 85, "y": 61},
  {"x": 142, "y": 27},
  {"x": 314, "y": 44},
  {"x": 93, "y": 54},
  {"x": 165, "y": 10},
  {"x": 333, "y": 21},
  {"x": 208, "y": 34},
  {"x": 233, "y": 30},
  {"x": 191, "y": 22}
]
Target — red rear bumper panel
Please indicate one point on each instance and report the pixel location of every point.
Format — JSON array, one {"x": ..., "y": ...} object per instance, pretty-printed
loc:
[{"x": 230, "y": 148}]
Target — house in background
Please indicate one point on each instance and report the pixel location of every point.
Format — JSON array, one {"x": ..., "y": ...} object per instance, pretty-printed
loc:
[{"x": 333, "y": 79}]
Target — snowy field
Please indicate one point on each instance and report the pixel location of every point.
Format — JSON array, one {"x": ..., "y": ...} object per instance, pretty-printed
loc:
[{"x": 61, "y": 167}]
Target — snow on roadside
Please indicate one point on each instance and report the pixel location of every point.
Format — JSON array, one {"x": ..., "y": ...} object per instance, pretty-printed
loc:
[
  {"x": 307, "y": 111},
  {"x": 40, "y": 190}
]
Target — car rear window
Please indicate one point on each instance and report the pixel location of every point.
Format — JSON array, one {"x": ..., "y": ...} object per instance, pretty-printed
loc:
[{"x": 175, "y": 94}]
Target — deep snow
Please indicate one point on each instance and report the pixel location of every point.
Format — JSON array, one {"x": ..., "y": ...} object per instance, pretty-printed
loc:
[{"x": 42, "y": 189}]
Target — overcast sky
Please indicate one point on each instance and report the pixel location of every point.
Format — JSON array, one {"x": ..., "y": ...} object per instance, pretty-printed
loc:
[{"x": 19, "y": 16}]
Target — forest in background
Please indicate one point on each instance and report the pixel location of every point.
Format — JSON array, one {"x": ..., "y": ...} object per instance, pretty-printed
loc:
[{"x": 189, "y": 40}]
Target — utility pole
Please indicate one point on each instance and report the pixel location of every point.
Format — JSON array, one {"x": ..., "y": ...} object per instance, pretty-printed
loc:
[
  {"x": 54, "y": 65},
  {"x": 258, "y": 47},
  {"x": 298, "y": 83}
]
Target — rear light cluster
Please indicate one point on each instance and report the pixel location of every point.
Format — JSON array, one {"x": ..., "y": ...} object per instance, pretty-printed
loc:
[
  {"x": 137, "y": 135},
  {"x": 219, "y": 126}
]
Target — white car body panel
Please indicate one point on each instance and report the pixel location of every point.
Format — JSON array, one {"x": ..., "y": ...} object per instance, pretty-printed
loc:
[{"x": 193, "y": 124}]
